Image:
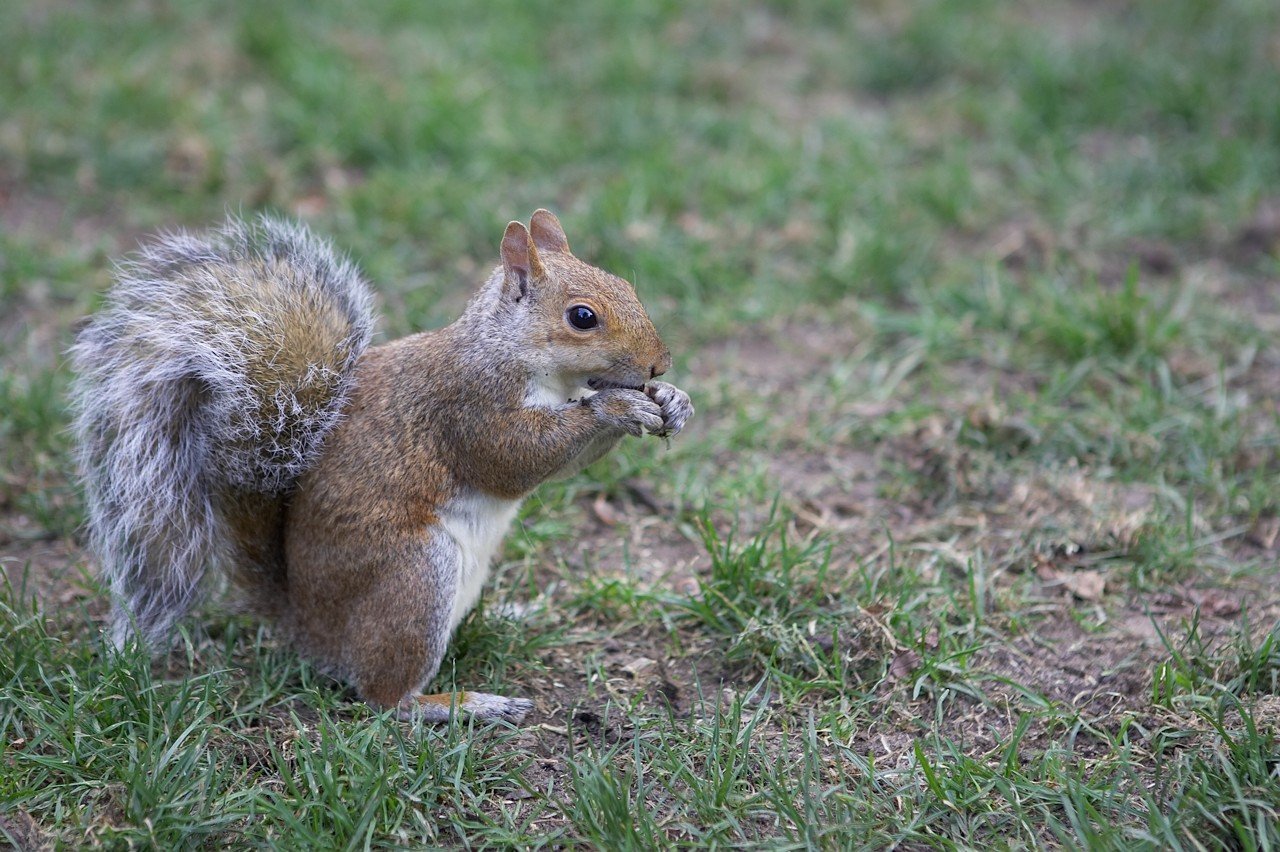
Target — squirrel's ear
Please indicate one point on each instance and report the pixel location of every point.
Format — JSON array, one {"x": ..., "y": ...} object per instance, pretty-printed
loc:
[
  {"x": 519, "y": 258},
  {"x": 547, "y": 233}
]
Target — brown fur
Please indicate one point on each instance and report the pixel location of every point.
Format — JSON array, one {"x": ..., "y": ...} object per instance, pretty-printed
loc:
[{"x": 432, "y": 417}]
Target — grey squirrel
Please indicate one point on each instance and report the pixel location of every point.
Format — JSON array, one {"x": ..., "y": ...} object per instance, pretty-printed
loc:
[{"x": 232, "y": 417}]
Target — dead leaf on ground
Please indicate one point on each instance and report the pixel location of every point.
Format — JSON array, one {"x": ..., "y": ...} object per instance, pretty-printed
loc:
[
  {"x": 1264, "y": 533},
  {"x": 1214, "y": 602},
  {"x": 1046, "y": 571},
  {"x": 605, "y": 512},
  {"x": 23, "y": 830},
  {"x": 639, "y": 666},
  {"x": 904, "y": 663},
  {"x": 1086, "y": 585}
]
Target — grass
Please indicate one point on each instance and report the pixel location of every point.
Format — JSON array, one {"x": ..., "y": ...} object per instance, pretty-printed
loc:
[{"x": 972, "y": 543}]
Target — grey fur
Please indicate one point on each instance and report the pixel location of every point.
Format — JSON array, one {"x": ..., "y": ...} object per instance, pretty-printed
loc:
[{"x": 180, "y": 396}]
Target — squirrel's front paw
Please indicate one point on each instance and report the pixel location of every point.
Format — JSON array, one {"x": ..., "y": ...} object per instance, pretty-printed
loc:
[
  {"x": 631, "y": 411},
  {"x": 675, "y": 404}
]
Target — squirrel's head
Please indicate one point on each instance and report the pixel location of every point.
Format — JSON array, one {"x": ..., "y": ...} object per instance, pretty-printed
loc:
[{"x": 583, "y": 327}]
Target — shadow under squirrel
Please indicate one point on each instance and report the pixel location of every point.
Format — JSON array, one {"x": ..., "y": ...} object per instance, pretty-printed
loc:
[{"x": 232, "y": 418}]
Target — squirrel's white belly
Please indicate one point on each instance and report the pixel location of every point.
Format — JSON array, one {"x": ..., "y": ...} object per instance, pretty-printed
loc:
[
  {"x": 477, "y": 523},
  {"x": 546, "y": 392}
]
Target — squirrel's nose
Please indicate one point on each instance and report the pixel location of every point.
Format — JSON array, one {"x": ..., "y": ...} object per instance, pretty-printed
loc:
[{"x": 664, "y": 364}]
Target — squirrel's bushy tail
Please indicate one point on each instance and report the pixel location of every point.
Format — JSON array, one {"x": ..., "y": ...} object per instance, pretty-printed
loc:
[{"x": 215, "y": 368}]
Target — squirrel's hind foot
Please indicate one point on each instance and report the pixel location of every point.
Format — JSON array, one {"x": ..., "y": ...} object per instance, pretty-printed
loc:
[{"x": 438, "y": 708}]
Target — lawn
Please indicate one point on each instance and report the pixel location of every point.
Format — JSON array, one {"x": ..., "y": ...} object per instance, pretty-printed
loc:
[{"x": 973, "y": 542}]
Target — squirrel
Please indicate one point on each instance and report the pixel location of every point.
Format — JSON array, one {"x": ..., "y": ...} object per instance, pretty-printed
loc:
[{"x": 233, "y": 420}]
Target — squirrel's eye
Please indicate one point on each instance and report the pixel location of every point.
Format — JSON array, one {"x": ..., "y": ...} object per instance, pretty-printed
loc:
[{"x": 582, "y": 317}]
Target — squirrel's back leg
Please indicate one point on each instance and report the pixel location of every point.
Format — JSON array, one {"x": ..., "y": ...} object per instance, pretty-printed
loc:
[
  {"x": 483, "y": 705},
  {"x": 397, "y": 629},
  {"x": 255, "y": 527}
]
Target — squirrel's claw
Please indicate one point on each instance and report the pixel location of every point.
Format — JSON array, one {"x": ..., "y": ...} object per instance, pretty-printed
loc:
[
  {"x": 630, "y": 411},
  {"x": 675, "y": 404}
]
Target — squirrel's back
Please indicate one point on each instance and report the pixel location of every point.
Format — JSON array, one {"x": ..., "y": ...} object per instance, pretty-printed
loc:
[{"x": 216, "y": 367}]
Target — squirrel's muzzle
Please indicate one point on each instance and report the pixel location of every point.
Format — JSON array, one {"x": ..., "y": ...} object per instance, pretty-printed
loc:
[{"x": 661, "y": 365}]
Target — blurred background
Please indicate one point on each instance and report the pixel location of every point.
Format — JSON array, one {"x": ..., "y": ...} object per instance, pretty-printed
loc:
[{"x": 724, "y": 153}]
